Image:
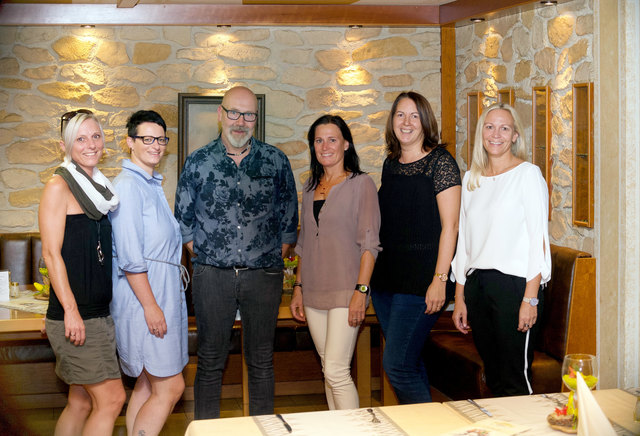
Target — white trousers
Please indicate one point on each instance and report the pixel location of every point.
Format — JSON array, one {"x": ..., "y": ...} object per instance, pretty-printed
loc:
[{"x": 335, "y": 341}]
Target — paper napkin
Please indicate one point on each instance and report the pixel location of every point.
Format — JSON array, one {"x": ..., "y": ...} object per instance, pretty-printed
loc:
[{"x": 591, "y": 419}]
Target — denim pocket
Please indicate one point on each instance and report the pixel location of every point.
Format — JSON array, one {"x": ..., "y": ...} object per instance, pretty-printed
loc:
[
  {"x": 198, "y": 269},
  {"x": 272, "y": 270}
]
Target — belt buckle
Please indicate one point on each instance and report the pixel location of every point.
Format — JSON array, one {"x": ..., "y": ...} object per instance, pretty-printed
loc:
[{"x": 237, "y": 268}]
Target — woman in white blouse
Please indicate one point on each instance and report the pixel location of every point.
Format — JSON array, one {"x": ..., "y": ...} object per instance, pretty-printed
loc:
[{"x": 503, "y": 254}]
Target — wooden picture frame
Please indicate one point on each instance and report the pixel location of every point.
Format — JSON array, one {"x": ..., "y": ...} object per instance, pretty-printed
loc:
[
  {"x": 541, "y": 134},
  {"x": 198, "y": 122},
  {"x": 583, "y": 165},
  {"x": 474, "y": 110},
  {"x": 508, "y": 96}
]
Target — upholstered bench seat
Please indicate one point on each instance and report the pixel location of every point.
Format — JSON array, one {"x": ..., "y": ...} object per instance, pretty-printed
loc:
[{"x": 567, "y": 326}]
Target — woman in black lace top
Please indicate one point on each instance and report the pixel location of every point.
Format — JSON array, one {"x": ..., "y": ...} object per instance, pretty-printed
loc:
[{"x": 419, "y": 204}]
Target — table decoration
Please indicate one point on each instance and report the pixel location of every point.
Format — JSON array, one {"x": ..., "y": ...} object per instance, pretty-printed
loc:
[
  {"x": 42, "y": 289},
  {"x": 26, "y": 302},
  {"x": 290, "y": 265}
]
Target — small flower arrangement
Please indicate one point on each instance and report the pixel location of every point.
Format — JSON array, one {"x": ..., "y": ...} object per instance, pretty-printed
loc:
[
  {"x": 291, "y": 262},
  {"x": 42, "y": 289},
  {"x": 290, "y": 265}
]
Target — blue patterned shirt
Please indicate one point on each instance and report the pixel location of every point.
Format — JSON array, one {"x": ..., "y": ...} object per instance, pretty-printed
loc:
[{"x": 237, "y": 215}]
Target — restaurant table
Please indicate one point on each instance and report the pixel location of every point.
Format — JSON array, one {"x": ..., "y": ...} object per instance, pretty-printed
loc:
[
  {"x": 415, "y": 419},
  {"x": 21, "y": 324},
  {"x": 15, "y": 319},
  {"x": 425, "y": 419}
]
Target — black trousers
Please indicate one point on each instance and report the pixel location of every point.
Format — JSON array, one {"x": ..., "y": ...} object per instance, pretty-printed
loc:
[{"x": 493, "y": 302}]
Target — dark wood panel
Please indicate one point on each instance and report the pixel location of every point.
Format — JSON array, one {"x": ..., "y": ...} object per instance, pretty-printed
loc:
[
  {"x": 448, "y": 87},
  {"x": 249, "y": 15}
]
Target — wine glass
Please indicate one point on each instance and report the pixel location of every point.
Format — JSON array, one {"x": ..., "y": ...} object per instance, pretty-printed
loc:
[
  {"x": 44, "y": 272},
  {"x": 585, "y": 364}
]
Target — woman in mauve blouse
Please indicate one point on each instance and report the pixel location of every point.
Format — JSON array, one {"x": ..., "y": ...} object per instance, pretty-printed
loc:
[{"x": 338, "y": 245}]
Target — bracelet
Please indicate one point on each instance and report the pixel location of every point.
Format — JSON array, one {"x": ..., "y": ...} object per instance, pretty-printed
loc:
[{"x": 297, "y": 284}]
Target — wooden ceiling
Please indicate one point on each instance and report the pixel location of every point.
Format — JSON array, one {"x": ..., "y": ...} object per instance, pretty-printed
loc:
[{"x": 399, "y": 13}]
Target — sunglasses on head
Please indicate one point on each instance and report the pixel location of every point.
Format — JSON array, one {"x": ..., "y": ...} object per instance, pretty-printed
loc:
[{"x": 69, "y": 115}]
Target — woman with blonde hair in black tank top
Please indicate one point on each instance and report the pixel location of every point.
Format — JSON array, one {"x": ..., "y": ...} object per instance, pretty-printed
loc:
[{"x": 76, "y": 246}]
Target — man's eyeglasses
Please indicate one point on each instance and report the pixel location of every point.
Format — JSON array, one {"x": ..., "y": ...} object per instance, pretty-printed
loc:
[
  {"x": 148, "y": 140},
  {"x": 69, "y": 115},
  {"x": 249, "y": 117}
]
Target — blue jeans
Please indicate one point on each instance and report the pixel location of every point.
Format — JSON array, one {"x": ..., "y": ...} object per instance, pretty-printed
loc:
[
  {"x": 217, "y": 295},
  {"x": 405, "y": 327}
]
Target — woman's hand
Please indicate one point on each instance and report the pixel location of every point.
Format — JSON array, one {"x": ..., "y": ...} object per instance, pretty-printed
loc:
[
  {"x": 357, "y": 307},
  {"x": 297, "y": 309},
  {"x": 74, "y": 327},
  {"x": 436, "y": 294},
  {"x": 156, "y": 323},
  {"x": 527, "y": 317},
  {"x": 460, "y": 316}
]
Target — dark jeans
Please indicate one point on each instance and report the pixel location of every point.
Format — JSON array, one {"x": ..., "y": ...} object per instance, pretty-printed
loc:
[
  {"x": 493, "y": 302},
  {"x": 405, "y": 327},
  {"x": 217, "y": 294}
]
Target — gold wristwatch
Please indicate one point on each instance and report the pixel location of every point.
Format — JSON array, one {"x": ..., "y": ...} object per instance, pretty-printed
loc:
[{"x": 443, "y": 277}]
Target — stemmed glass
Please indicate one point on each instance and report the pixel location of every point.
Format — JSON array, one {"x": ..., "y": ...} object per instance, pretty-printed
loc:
[
  {"x": 585, "y": 364},
  {"x": 44, "y": 272}
]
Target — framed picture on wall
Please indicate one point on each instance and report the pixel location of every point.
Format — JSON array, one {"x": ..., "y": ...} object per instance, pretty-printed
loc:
[
  {"x": 583, "y": 166},
  {"x": 198, "y": 122},
  {"x": 508, "y": 96},
  {"x": 541, "y": 134},
  {"x": 474, "y": 110}
]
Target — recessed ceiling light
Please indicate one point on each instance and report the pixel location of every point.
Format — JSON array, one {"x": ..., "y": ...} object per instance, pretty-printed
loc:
[
  {"x": 87, "y": 26},
  {"x": 355, "y": 26},
  {"x": 549, "y": 2},
  {"x": 476, "y": 20}
]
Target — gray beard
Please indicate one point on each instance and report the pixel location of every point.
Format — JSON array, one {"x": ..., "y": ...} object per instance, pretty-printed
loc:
[{"x": 239, "y": 143}]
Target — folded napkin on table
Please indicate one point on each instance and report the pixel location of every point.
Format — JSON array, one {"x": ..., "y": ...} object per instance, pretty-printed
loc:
[{"x": 591, "y": 419}]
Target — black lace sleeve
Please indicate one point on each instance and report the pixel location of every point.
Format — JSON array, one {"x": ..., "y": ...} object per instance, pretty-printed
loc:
[{"x": 446, "y": 172}]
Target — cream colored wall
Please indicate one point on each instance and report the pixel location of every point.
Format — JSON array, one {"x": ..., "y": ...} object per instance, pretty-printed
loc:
[
  {"x": 618, "y": 190},
  {"x": 304, "y": 72},
  {"x": 545, "y": 46}
]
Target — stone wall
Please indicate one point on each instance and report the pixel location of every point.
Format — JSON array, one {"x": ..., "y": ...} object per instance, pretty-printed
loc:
[
  {"x": 303, "y": 72},
  {"x": 547, "y": 46}
]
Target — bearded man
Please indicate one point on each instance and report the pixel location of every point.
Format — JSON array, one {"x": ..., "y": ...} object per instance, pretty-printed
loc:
[{"x": 237, "y": 206}]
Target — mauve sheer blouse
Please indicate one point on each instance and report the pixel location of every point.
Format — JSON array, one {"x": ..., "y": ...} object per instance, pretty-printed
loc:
[{"x": 348, "y": 225}]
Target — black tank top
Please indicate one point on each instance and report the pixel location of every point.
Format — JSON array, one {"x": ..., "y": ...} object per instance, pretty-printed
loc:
[{"x": 90, "y": 280}]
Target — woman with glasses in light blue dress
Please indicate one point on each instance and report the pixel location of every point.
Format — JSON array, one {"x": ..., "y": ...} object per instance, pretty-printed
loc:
[{"x": 148, "y": 306}]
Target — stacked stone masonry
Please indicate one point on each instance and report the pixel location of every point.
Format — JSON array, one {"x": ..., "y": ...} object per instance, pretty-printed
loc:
[
  {"x": 547, "y": 46},
  {"x": 304, "y": 72}
]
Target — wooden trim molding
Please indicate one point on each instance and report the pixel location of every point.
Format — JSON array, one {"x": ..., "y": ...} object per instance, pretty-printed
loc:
[
  {"x": 129, "y": 12},
  {"x": 448, "y": 87},
  {"x": 197, "y": 14}
]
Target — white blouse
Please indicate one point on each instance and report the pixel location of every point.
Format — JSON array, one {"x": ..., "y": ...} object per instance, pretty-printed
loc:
[{"x": 504, "y": 225}]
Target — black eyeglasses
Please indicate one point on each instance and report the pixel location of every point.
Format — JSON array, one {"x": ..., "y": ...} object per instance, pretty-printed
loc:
[
  {"x": 148, "y": 140},
  {"x": 249, "y": 117},
  {"x": 69, "y": 115}
]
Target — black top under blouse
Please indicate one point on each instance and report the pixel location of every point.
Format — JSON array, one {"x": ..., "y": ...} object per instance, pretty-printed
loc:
[
  {"x": 410, "y": 230},
  {"x": 317, "y": 205},
  {"x": 90, "y": 281}
]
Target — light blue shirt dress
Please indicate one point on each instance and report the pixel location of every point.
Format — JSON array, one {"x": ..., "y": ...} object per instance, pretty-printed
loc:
[{"x": 146, "y": 238}]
